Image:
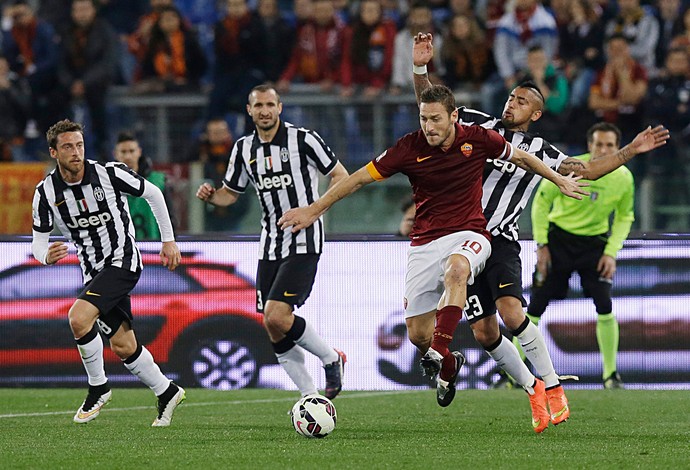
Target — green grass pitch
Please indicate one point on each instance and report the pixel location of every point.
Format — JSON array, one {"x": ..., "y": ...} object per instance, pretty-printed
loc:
[{"x": 400, "y": 430}]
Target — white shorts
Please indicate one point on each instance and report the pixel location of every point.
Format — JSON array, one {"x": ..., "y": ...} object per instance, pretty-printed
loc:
[{"x": 426, "y": 265}]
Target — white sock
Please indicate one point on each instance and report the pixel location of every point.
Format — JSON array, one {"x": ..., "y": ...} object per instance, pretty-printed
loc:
[
  {"x": 148, "y": 372},
  {"x": 92, "y": 357},
  {"x": 293, "y": 363},
  {"x": 312, "y": 342},
  {"x": 508, "y": 357},
  {"x": 534, "y": 347}
]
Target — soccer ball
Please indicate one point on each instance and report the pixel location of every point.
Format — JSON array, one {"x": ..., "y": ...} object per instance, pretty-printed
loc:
[{"x": 313, "y": 416}]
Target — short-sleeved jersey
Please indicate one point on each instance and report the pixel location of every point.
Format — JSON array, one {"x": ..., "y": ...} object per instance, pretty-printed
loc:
[
  {"x": 93, "y": 214},
  {"x": 284, "y": 173},
  {"x": 446, "y": 186},
  {"x": 507, "y": 187}
]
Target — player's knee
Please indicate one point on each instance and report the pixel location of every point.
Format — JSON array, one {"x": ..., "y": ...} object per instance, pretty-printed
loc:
[
  {"x": 78, "y": 325},
  {"x": 485, "y": 335},
  {"x": 277, "y": 319},
  {"x": 270, "y": 322},
  {"x": 458, "y": 270},
  {"x": 510, "y": 309}
]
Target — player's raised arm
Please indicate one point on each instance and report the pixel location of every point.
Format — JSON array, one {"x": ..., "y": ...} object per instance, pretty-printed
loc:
[
  {"x": 568, "y": 184},
  {"x": 422, "y": 53},
  {"x": 647, "y": 140},
  {"x": 302, "y": 217}
]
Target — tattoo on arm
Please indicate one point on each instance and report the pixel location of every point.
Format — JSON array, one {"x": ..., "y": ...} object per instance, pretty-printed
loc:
[
  {"x": 421, "y": 83},
  {"x": 601, "y": 167},
  {"x": 624, "y": 155},
  {"x": 571, "y": 165}
]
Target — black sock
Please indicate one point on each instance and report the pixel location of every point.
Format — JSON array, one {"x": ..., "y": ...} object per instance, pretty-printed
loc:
[
  {"x": 169, "y": 393},
  {"x": 99, "y": 389},
  {"x": 297, "y": 329}
]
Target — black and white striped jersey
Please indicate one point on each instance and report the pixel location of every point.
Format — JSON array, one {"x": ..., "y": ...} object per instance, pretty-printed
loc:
[
  {"x": 93, "y": 214},
  {"x": 507, "y": 188},
  {"x": 284, "y": 173}
]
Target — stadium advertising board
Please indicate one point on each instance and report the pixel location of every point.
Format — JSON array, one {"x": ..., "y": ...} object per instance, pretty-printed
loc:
[{"x": 201, "y": 326}]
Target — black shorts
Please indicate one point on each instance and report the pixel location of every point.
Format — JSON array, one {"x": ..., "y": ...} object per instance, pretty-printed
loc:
[
  {"x": 502, "y": 276},
  {"x": 109, "y": 292},
  {"x": 288, "y": 280},
  {"x": 573, "y": 253}
]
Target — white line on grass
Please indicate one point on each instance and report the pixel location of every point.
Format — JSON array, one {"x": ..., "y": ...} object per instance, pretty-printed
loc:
[{"x": 209, "y": 403}]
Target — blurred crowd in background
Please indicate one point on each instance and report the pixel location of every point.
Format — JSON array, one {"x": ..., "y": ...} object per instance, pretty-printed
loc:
[{"x": 621, "y": 61}]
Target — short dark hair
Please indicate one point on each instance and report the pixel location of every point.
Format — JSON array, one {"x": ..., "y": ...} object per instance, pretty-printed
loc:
[
  {"x": 126, "y": 136},
  {"x": 530, "y": 85},
  {"x": 61, "y": 127},
  {"x": 439, "y": 94},
  {"x": 603, "y": 127},
  {"x": 263, "y": 88}
]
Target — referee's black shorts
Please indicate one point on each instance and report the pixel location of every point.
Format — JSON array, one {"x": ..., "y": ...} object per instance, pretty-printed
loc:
[
  {"x": 287, "y": 280},
  {"x": 109, "y": 292},
  {"x": 573, "y": 253}
]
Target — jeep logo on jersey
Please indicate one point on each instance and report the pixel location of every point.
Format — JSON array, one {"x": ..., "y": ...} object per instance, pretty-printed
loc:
[
  {"x": 523, "y": 146},
  {"x": 503, "y": 166},
  {"x": 273, "y": 182},
  {"x": 89, "y": 221}
]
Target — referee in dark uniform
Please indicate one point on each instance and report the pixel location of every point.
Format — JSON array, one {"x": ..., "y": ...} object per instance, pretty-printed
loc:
[{"x": 283, "y": 163}]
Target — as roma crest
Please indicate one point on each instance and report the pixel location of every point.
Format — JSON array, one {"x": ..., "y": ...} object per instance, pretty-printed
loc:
[{"x": 466, "y": 149}]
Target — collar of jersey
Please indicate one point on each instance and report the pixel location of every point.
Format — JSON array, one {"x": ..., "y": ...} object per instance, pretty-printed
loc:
[{"x": 59, "y": 182}]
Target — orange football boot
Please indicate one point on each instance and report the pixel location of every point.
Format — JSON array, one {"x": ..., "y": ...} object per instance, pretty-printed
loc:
[
  {"x": 538, "y": 402},
  {"x": 558, "y": 404}
]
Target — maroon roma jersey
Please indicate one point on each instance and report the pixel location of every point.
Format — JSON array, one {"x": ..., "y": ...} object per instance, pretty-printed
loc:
[{"x": 446, "y": 186}]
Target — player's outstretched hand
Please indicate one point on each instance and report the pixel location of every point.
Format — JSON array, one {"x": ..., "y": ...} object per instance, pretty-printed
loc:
[
  {"x": 298, "y": 218},
  {"x": 650, "y": 138},
  {"x": 56, "y": 251},
  {"x": 571, "y": 186},
  {"x": 205, "y": 192},
  {"x": 170, "y": 255},
  {"x": 422, "y": 49}
]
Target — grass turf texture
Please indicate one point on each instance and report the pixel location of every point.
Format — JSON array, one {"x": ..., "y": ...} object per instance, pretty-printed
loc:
[{"x": 251, "y": 429}]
